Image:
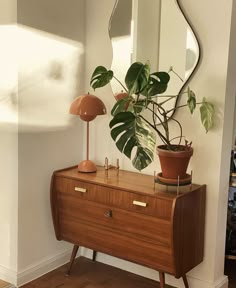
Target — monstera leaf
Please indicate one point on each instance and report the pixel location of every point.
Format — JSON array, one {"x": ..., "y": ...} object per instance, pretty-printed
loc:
[
  {"x": 121, "y": 105},
  {"x": 191, "y": 102},
  {"x": 133, "y": 138},
  {"x": 101, "y": 77},
  {"x": 207, "y": 114},
  {"x": 157, "y": 83},
  {"x": 137, "y": 76},
  {"x": 139, "y": 80}
]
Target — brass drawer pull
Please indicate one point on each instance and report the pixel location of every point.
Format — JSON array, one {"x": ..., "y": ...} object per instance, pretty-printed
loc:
[
  {"x": 138, "y": 203},
  {"x": 79, "y": 189},
  {"x": 108, "y": 214}
]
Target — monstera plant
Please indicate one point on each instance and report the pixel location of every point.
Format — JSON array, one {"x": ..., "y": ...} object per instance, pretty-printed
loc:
[{"x": 133, "y": 130}]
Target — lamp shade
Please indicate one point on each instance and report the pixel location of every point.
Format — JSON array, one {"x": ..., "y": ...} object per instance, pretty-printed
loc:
[{"x": 87, "y": 106}]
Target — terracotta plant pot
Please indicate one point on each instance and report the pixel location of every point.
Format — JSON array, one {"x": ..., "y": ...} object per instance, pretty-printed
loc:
[
  {"x": 174, "y": 164},
  {"x": 120, "y": 95}
]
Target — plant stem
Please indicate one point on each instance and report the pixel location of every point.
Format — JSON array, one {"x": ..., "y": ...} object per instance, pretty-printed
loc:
[
  {"x": 126, "y": 90},
  {"x": 163, "y": 102},
  {"x": 181, "y": 106},
  {"x": 162, "y": 96},
  {"x": 177, "y": 138},
  {"x": 171, "y": 70},
  {"x": 155, "y": 114},
  {"x": 181, "y": 130},
  {"x": 164, "y": 115},
  {"x": 163, "y": 138},
  {"x": 159, "y": 107}
]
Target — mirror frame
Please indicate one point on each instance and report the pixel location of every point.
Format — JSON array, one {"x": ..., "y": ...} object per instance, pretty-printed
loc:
[{"x": 196, "y": 38}]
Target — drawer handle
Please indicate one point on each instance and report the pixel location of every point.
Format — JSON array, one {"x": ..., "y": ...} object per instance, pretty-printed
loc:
[
  {"x": 138, "y": 203},
  {"x": 108, "y": 214},
  {"x": 79, "y": 189}
]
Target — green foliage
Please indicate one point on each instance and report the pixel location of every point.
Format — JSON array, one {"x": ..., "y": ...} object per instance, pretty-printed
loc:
[
  {"x": 133, "y": 133},
  {"x": 137, "y": 77},
  {"x": 191, "y": 100},
  {"x": 207, "y": 114},
  {"x": 101, "y": 77},
  {"x": 129, "y": 131},
  {"x": 157, "y": 83},
  {"x": 121, "y": 106}
]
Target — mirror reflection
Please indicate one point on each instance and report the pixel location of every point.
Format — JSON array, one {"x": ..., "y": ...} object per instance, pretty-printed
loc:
[{"x": 154, "y": 31}]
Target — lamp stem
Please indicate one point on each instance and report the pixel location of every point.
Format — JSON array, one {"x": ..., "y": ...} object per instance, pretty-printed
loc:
[{"x": 87, "y": 148}]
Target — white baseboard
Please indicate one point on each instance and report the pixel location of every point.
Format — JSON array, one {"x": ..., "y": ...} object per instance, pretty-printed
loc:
[
  {"x": 43, "y": 267},
  {"x": 152, "y": 274},
  {"x": 197, "y": 283},
  {"x": 8, "y": 275},
  {"x": 51, "y": 263},
  {"x": 222, "y": 283}
]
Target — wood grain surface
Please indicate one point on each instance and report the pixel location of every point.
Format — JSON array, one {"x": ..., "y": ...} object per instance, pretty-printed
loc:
[
  {"x": 4, "y": 284},
  {"x": 89, "y": 274},
  {"x": 125, "y": 215}
]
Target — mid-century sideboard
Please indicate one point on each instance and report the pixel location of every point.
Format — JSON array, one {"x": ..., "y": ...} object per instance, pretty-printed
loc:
[{"x": 126, "y": 215}]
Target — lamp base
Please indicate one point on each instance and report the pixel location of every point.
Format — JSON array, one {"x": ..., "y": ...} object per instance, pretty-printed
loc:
[{"x": 87, "y": 166}]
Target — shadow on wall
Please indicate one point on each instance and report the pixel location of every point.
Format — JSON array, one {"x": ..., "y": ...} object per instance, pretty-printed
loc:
[{"x": 39, "y": 81}]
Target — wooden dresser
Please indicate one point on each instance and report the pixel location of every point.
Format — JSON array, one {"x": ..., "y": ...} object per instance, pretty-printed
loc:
[{"x": 123, "y": 214}]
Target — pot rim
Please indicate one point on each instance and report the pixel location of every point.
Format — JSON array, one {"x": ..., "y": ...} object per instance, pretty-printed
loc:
[{"x": 161, "y": 150}]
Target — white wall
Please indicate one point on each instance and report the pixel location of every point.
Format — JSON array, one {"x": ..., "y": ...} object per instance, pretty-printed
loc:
[
  {"x": 48, "y": 140},
  {"x": 8, "y": 202},
  {"x": 8, "y": 11},
  {"x": 39, "y": 155},
  {"x": 50, "y": 50},
  {"x": 210, "y": 162},
  {"x": 42, "y": 151},
  {"x": 8, "y": 156}
]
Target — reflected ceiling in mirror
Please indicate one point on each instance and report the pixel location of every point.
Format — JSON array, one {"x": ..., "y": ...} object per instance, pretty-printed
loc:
[{"x": 156, "y": 31}]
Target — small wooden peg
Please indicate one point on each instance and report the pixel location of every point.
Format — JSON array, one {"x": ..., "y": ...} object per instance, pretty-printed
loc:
[
  {"x": 117, "y": 164},
  {"x": 178, "y": 186},
  {"x": 106, "y": 164},
  {"x": 154, "y": 178},
  {"x": 191, "y": 186}
]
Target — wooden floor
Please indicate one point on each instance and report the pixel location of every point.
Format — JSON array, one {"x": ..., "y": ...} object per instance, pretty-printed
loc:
[
  {"x": 88, "y": 274},
  {"x": 4, "y": 284},
  {"x": 230, "y": 271}
]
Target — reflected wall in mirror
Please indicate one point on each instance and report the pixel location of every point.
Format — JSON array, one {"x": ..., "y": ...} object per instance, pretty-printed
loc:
[{"x": 156, "y": 31}]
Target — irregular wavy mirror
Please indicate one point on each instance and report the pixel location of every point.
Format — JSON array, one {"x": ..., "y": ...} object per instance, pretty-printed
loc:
[{"x": 156, "y": 31}]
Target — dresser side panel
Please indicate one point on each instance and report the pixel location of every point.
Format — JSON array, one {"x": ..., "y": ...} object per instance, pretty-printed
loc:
[
  {"x": 54, "y": 206},
  {"x": 188, "y": 230}
]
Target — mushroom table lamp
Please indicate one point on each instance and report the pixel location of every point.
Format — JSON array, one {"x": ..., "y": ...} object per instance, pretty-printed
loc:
[{"x": 87, "y": 107}]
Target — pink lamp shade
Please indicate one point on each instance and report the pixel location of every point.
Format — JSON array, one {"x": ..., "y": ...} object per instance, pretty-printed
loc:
[{"x": 87, "y": 107}]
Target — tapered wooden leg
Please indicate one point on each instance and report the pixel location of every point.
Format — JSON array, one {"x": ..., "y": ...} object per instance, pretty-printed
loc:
[
  {"x": 162, "y": 279},
  {"x": 185, "y": 281},
  {"x": 72, "y": 258},
  {"x": 94, "y": 255}
]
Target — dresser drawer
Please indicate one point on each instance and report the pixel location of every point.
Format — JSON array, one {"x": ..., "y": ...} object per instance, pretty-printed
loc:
[
  {"x": 147, "y": 228},
  {"x": 81, "y": 190},
  {"x": 161, "y": 208},
  {"x": 118, "y": 244}
]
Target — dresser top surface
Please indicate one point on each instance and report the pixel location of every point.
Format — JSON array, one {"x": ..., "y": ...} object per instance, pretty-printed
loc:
[{"x": 126, "y": 180}]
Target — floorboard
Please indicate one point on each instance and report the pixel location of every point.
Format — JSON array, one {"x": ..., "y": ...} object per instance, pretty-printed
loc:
[
  {"x": 4, "y": 284},
  {"x": 230, "y": 271},
  {"x": 88, "y": 274}
]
